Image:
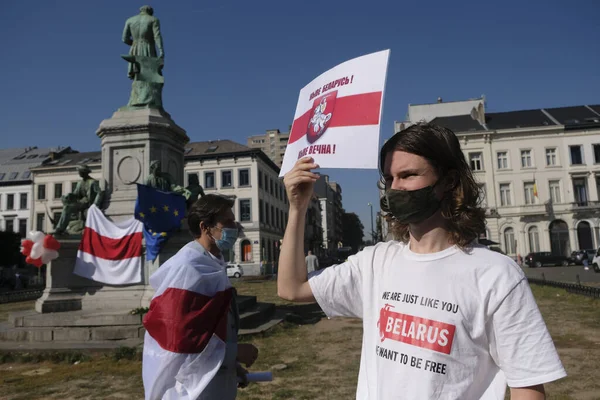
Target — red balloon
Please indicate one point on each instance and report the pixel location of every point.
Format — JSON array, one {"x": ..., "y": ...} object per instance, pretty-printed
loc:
[
  {"x": 35, "y": 262},
  {"x": 26, "y": 247},
  {"x": 51, "y": 243}
]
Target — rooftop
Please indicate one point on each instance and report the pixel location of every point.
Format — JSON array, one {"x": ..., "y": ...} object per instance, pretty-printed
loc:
[
  {"x": 17, "y": 163},
  {"x": 71, "y": 159},
  {"x": 222, "y": 149}
]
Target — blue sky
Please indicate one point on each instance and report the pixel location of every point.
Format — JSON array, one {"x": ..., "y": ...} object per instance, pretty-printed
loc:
[{"x": 234, "y": 68}]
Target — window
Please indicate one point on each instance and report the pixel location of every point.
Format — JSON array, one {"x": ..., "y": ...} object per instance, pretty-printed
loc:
[
  {"x": 282, "y": 194},
  {"x": 476, "y": 161},
  {"x": 268, "y": 220},
  {"x": 226, "y": 180},
  {"x": 260, "y": 179},
  {"x": 273, "y": 215},
  {"x": 271, "y": 186},
  {"x": 576, "y": 155},
  {"x": 482, "y": 195},
  {"x": 282, "y": 220},
  {"x": 534, "y": 239},
  {"x": 277, "y": 219},
  {"x": 260, "y": 211},
  {"x": 211, "y": 149},
  {"x": 23, "y": 201},
  {"x": 26, "y": 175},
  {"x": 192, "y": 178},
  {"x": 554, "y": 191},
  {"x": 23, "y": 227},
  {"x": 245, "y": 211},
  {"x": 10, "y": 201},
  {"x": 39, "y": 222},
  {"x": 13, "y": 175},
  {"x": 2, "y": 175},
  {"x": 505, "y": 197},
  {"x": 509, "y": 241},
  {"x": 10, "y": 225},
  {"x": 526, "y": 160},
  {"x": 596, "y": 153},
  {"x": 502, "y": 160},
  {"x": 580, "y": 191},
  {"x": 209, "y": 180},
  {"x": 529, "y": 193},
  {"x": 551, "y": 157},
  {"x": 57, "y": 190},
  {"x": 246, "y": 250},
  {"x": 244, "y": 177},
  {"x": 41, "y": 192}
]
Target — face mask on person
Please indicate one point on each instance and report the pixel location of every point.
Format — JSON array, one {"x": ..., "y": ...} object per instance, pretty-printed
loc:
[
  {"x": 228, "y": 238},
  {"x": 411, "y": 206}
]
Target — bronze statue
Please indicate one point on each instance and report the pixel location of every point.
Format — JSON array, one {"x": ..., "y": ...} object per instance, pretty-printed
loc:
[
  {"x": 142, "y": 33},
  {"x": 195, "y": 190},
  {"x": 163, "y": 181},
  {"x": 76, "y": 203}
]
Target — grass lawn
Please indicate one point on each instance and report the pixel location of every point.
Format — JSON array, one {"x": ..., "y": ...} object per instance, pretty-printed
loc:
[{"x": 321, "y": 361}]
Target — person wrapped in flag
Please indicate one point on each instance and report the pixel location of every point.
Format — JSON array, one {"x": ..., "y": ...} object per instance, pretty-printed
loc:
[{"x": 190, "y": 347}]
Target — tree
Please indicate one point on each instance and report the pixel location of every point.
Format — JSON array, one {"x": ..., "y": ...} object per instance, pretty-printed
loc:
[
  {"x": 10, "y": 250},
  {"x": 352, "y": 231}
]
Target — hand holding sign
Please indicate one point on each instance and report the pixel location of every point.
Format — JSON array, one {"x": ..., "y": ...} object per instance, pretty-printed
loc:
[
  {"x": 299, "y": 183},
  {"x": 338, "y": 115}
]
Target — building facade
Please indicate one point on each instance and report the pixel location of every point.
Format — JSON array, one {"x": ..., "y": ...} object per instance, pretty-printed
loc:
[
  {"x": 539, "y": 174},
  {"x": 250, "y": 178},
  {"x": 16, "y": 189},
  {"x": 329, "y": 194},
  {"x": 54, "y": 178},
  {"x": 273, "y": 143}
]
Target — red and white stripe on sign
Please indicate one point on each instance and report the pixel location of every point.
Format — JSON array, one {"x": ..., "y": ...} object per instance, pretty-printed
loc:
[
  {"x": 128, "y": 246},
  {"x": 416, "y": 331},
  {"x": 184, "y": 321},
  {"x": 354, "y": 110}
]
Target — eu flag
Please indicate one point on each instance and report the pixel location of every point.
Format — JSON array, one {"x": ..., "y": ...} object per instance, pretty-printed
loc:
[{"x": 161, "y": 213}]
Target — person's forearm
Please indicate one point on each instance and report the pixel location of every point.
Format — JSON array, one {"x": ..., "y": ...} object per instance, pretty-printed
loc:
[
  {"x": 528, "y": 393},
  {"x": 292, "y": 270}
]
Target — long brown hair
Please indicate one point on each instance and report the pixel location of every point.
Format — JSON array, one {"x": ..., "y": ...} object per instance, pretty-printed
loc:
[{"x": 460, "y": 208}]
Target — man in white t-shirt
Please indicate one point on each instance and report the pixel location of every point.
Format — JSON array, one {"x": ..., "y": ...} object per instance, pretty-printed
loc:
[
  {"x": 443, "y": 317},
  {"x": 312, "y": 262}
]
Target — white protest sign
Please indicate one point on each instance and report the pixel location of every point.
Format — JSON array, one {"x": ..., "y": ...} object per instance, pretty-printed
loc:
[{"x": 338, "y": 116}]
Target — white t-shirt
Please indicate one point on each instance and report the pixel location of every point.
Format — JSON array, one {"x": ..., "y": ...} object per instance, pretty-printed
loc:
[{"x": 447, "y": 325}]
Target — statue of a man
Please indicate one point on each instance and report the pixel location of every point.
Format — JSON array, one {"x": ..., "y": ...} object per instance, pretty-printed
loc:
[
  {"x": 163, "y": 181},
  {"x": 142, "y": 33},
  {"x": 76, "y": 203},
  {"x": 195, "y": 189}
]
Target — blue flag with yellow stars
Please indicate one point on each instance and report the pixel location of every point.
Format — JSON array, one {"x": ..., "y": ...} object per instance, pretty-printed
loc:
[{"x": 161, "y": 213}]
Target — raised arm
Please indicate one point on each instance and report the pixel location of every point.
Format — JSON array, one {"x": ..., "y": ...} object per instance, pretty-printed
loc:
[{"x": 292, "y": 281}]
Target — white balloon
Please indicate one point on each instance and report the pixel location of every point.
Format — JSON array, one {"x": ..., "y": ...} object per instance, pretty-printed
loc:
[
  {"x": 37, "y": 250},
  {"x": 36, "y": 236},
  {"x": 49, "y": 255}
]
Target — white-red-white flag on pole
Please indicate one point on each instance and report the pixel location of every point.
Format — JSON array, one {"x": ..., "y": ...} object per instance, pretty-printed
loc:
[
  {"x": 110, "y": 252},
  {"x": 186, "y": 326}
]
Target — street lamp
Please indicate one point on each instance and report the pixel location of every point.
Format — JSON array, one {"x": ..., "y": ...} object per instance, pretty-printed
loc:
[{"x": 372, "y": 230}]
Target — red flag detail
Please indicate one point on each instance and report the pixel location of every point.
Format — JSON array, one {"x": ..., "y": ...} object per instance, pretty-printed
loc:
[
  {"x": 128, "y": 246},
  {"x": 355, "y": 110},
  {"x": 182, "y": 321}
]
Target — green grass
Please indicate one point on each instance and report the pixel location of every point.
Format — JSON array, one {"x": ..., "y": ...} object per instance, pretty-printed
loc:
[{"x": 321, "y": 360}]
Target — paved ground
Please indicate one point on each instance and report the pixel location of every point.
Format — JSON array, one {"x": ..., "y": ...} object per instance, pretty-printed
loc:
[{"x": 564, "y": 274}]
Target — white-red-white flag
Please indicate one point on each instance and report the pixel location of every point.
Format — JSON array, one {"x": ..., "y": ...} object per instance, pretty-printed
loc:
[
  {"x": 110, "y": 252},
  {"x": 186, "y": 325}
]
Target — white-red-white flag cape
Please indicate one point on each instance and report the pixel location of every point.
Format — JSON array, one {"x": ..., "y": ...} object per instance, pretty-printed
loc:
[
  {"x": 186, "y": 325},
  {"x": 110, "y": 252}
]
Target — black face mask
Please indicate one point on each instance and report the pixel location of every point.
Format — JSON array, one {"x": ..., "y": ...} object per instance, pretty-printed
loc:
[{"x": 411, "y": 206}]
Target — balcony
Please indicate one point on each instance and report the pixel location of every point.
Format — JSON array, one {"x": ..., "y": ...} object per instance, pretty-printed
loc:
[{"x": 585, "y": 205}]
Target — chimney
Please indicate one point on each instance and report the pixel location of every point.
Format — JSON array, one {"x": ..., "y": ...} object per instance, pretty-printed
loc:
[{"x": 439, "y": 100}]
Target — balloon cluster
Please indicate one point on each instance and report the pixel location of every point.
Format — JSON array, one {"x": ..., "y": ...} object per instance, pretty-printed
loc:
[{"x": 39, "y": 248}]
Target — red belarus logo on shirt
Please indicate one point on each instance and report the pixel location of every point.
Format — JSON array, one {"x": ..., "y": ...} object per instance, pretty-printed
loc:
[
  {"x": 416, "y": 331},
  {"x": 320, "y": 116}
]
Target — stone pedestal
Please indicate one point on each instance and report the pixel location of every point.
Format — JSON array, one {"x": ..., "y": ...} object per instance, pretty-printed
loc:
[{"x": 130, "y": 140}]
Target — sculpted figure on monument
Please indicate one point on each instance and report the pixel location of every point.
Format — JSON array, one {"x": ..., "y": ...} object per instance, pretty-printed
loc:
[
  {"x": 163, "y": 181},
  {"x": 142, "y": 33},
  {"x": 195, "y": 189},
  {"x": 76, "y": 203}
]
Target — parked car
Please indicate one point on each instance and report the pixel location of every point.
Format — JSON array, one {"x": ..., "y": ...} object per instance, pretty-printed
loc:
[
  {"x": 234, "y": 270},
  {"x": 596, "y": 261},
  {"x": 578, "y": 256},
  {"x": 539, "y": 259}
]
